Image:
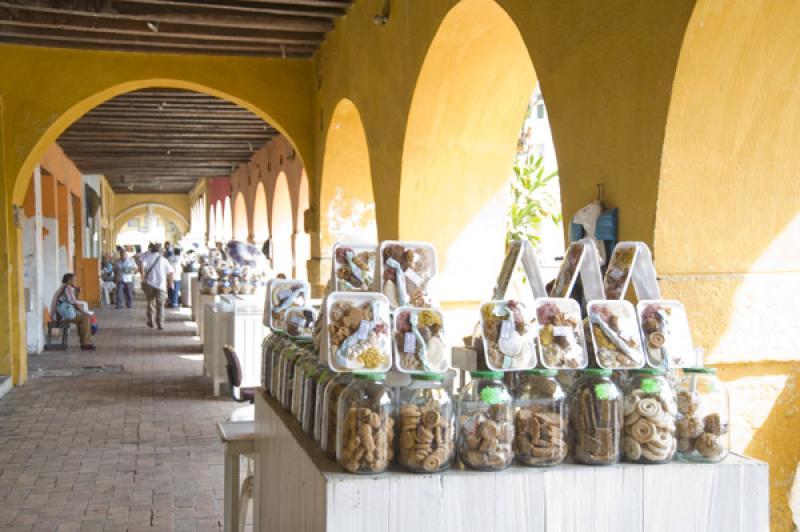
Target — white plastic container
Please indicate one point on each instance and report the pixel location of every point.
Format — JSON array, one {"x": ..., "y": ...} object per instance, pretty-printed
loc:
[
  {"x": 631, "y": 262},
  {"x": 282, "y": 294},
  {"x": 414, "y": 264},
  {"x": 299, "y": 322},
  {"x": 354, "y": 266},
  {"x": 560, "y": 332},
  {"x": 666, "y": 334},
  {"x": 358, "y": 332},
  {"x": 581, "y": 259},
  {"x": 419, "y": 343},
  {"x": 616, "y": 340},
  {"x": 508, "y": 335}
]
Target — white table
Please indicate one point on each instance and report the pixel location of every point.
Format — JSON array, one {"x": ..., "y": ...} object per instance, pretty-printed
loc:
[
  {"x": 195, "y": 298},
  {"x": 214, "y": 338},
  {"x": 238, "y": 438},
  {"x": 235, "y": 321},
  {"x": 202, "y": 301},
  {"x": 298, "y": 489},
  {"x": 188, "y": 280}
]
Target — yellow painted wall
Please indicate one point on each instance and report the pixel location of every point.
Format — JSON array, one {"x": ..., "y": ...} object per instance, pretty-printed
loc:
[{"x": 727, "y": 238}]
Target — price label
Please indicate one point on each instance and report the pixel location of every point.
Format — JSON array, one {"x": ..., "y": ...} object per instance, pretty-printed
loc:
[
  {"x": 506, "y": 328},
  {"x": 284, "y": 294},
  {"x": 413, "y": 276},
  {"x": 409, "y": 343},
  {"x": 602, "y": 391},
  {"x": 651, "y": 386},
  {"x": 563, "y": 331},
  {"x": 363, "y": 329}
]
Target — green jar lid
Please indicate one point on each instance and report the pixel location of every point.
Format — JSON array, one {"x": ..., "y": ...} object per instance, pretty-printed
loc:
[
  {"x": 648, "y": 371},
  {"x": 370, "y": 376},
  {"x": 596, "y": 372},
  {"x": 706, "y": 371},
  {"x": 542, "y": 372},
  {"x": 427, "y": 376},
  {"x": 486, "y": 374}
]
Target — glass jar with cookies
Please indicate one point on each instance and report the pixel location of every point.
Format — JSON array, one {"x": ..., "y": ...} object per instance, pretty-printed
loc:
[
  {"x": 485, "y": 422},
  {"x": 540, "y": 419},
  {"x": 703, "y": 416},
  {"x": 365, "y": 427},
  {"x": 649, "y": 412},
  {"x": 425, "y": 424}
]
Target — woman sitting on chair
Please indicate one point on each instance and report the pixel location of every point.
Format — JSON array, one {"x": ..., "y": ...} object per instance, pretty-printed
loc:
[{"x": 65, "y": 307}]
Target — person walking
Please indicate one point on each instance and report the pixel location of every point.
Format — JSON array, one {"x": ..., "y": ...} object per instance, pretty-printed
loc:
[
  {"x": 65, "y": 307},
  {"x": 157, "y": 275},
  {"x": 125, "y": 268},
  {"x": 174, "y": 292}
]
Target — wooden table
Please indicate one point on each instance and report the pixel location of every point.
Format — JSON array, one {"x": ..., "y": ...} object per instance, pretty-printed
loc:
[{"x": 298, "y": 489}]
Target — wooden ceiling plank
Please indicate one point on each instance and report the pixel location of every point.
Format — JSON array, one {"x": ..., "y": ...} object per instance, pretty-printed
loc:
[{"x": 265, "y": 22}]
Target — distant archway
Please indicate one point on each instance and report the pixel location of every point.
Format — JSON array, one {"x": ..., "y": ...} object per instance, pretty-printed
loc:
[
  {"x": 212, "y": 225},
  {"x": 347, "y": 203},
  {"x": 241, "y": 229},
  {"x": 227, "y": 219},
  {"x": 282, "y": 227},
  {"x": 460, "y": 141},
  {"x": 260, "y": 216},
  {"x": 301, "y": 242},
  {"x": 219, "y": 222}
]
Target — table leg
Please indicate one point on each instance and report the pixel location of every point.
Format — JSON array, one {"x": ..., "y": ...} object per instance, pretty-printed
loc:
[{"x": 231, "y": 491}]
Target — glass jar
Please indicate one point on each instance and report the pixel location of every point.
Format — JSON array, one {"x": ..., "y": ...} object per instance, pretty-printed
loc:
[
  {"x": 426, "y": 419},
  {"x": 288, "y": 360},
  {"x": 649, "y": 412},
  {"x": 595, "y": 410},
  {"x": 540, "y": 419},
  {"x": 326, "y": 375},
  {"x": 306, "y": 362},
  {"x": 310, "y": 392},
  {"x": 333, "y": 392},
  {"x": 275, "y": 367},
  {"x": 485, "y": 431},
  {"x": 365, "y": 427},
  {"x": 703, "y": 416},
  {"x": 266, "y": 359}
]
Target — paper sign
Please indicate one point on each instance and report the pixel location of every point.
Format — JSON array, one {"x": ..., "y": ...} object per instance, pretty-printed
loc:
[
  {"x": 363, "y": 329},
  {"x": 413, "y": 276},
  {"x": 409, "y": 343},
  {"x": 505, "y": 329},
  {"x": 563, "y": 330}
]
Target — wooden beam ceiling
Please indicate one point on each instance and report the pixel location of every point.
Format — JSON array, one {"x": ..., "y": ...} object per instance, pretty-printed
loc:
[
  {"x": 271, "y": 28},
  {"x": 164, "y": 140}
]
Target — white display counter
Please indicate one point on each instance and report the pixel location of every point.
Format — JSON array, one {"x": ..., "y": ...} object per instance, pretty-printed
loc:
[
  {"x": 202, "y": 301},
  {"x": 299, "y": 489},
  {"x": 188, "y": 280},
  {"x": 195, "y": 299},
  {"x": 234, "y": 321},
  {"x": 214, "y": 338}
]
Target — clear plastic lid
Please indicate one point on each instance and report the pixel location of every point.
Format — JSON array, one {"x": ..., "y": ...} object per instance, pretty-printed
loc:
[
  {"x": 357, "y": 332},
  {"x": 581, "y": 259},
  {"x": 560, "y": 330},
  {"x": 300, "y": 322},
  {"x": 615, "y": 334},
  {"x": 354, "y": 266},
  {"x": 508, "y": 335},
  {"x": 406, "y": 272},
  {"x": 282, "y": 294},
  {"x": 419, "y": 344},
  {"x": 520, "y": 252},
  {"x": 631, "y": 262},
  {"x": 666, "y": 334}
]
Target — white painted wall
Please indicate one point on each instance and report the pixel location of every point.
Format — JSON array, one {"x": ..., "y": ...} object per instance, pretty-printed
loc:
[{"x": 33, "y": 271}]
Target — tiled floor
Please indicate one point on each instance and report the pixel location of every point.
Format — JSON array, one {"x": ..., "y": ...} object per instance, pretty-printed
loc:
[{"x": 134, "y": 449}]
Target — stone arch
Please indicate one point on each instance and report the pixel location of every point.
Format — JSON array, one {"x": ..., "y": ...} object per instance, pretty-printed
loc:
[
  {"x": 282, "y": 227},
  {"x": 260, "y": 219},
  {"x": 301, "y": 242},
  {"x": 241, "y": 224},
  {"x": 227, "y": 219},
  {"x": 81, "y": 107},
  {"x": 460, "y": 141},
  {"x": 219, "y": 222},
  {"x": 212, "y": 224},
  {"x": 126, "y": 214},
  {"x": 347, "y": 203}
]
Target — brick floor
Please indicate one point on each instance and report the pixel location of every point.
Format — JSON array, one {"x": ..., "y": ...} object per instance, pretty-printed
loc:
[{"x": 134, "y": 450}]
